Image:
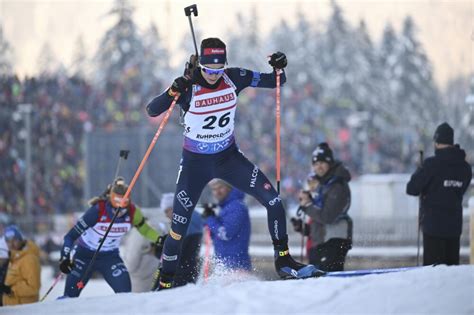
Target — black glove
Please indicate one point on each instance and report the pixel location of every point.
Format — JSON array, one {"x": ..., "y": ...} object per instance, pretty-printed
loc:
[
  {"x": 6, "y": 289},
  {"x": 66, "y": 265},
  {"x": 297, "y": 224},
  {"x": 180, "y": 85},
  {"x": 278, "y": 60},
  {"x": 158, "y": 245},
  {"x": 209, "y": 210},
  {"x": 191, "y": 66}
]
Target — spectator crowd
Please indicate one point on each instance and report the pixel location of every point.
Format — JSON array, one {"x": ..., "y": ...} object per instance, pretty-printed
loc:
[{"x": 64, "y": 108}]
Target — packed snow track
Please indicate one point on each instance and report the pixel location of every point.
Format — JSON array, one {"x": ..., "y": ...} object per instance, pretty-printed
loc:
[{"x": 429, "y": 290}]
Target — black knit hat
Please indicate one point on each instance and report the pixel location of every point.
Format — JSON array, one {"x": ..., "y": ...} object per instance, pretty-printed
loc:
[
  {"x": 213, "y": 51},
  {"x": 323, "y": 153},
  {"x": 444, "y": 134}
]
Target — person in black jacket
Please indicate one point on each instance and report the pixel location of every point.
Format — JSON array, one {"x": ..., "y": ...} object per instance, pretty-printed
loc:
[
  {"x": 441, "y": 182},
  {"x": 327, "y": 204}
]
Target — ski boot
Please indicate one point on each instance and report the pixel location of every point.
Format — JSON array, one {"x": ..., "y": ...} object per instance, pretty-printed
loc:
[
  {"x": 287, "y": 267},
  {"x": 162, "y": 281}
]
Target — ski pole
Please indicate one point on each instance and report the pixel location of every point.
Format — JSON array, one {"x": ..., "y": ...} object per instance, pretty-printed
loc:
[
  {"x": 420, "y": 215},
  {"x": 56, "y": 280},
  {"x": 303, "y": 230},
  {"x": 207, "y": 253},
  {"x": 80, "y": 284},
  {"x": 278, "y": 114}
]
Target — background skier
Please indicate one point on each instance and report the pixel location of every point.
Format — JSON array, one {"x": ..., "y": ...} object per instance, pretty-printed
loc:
[{"x": 76, "y": 256}]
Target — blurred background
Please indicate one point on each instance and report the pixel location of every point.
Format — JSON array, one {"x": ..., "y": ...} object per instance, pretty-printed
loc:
[{"x": 372, "y": 78}]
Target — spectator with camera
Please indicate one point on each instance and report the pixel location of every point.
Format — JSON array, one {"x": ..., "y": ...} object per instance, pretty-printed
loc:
[
  {"x": 327, "y": 202},
  {"x": 230, "y": 227}
]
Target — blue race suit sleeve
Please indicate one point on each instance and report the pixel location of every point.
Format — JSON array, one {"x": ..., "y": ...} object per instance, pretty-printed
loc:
[
  {"x": 89, "y": 219},
  {"x": 243, "y": 78},
  {"x": 228, "y": 226},
  {"x": 161, "y": 103}
]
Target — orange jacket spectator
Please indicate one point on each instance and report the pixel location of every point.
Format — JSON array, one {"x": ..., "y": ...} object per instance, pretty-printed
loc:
[{"x": 23, "y": 274}]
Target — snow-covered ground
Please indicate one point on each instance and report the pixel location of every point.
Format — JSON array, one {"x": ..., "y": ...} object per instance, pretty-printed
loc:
[{"x": 429, "y": 290}]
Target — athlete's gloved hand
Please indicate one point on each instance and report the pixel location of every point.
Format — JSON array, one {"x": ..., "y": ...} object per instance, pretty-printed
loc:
[
  {"x": 209, "y": 210},
  {"x": 5, "y": 289},
  {"x": 65, "y": 263},
  {"x": 158, "y": 245},
  {"x": 180, "y": 85},
  {"x": 191, "y": 66},
  {"x": 278, "y": 60}
]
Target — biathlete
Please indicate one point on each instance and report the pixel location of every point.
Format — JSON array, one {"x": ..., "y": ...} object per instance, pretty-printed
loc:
[
  {"x": 208, "y": 98},
  {"x": 83, "y": 239}
]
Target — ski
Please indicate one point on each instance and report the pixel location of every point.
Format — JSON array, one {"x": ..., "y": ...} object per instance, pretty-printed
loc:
[
  {"x": 312, "y": 272},
  {"x": 366, "y": 272}
]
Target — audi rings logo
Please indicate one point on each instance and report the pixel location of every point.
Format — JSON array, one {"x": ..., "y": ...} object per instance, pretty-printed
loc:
[{"x": 179, "y": 219}]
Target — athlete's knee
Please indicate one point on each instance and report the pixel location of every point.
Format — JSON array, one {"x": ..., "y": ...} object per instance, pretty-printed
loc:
[
  {"x": 261, "y": 187},
  {"x": 120, "y": 278}
]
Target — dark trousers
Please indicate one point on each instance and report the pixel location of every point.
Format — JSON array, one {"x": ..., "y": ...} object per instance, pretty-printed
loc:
[
  {"x": 188, "y": 267},
  {"x": 330, "y": 255},
  {"x": 196, "y": 170},
  {"x": 110, "y": 265},
  {"x": 438, "y": 251}
]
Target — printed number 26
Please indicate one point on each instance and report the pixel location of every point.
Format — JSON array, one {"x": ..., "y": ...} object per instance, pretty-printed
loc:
[{"x": 223, "y": 121}]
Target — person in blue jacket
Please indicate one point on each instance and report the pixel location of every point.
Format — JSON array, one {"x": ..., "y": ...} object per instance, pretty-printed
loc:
[
  {"x": 207, "y": 95},
  {"x": 230, "y": 229}
]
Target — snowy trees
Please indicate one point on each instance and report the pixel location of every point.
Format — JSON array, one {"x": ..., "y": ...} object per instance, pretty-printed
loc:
[
  {"x": 47, "y": 62},
  {"x": 5, "y": 55},
  {"x": 155, "y": 56},
  {"x": 376, "y": 100},
  {"x": 245, "y": 47},
  {"x": 79, "y": 59},
  {"x": 121, "y": 48},
  {"x": 416, "y": 95}
]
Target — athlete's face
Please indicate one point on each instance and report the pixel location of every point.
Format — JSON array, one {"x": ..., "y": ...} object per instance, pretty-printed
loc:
[
  {"x": 208, "y": 75},
  {"x": 118, "y": 201}
]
